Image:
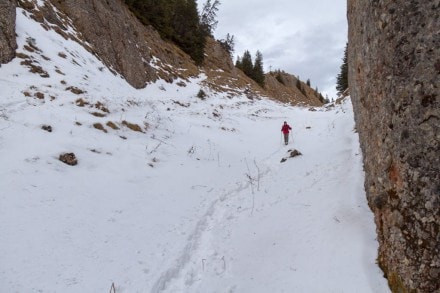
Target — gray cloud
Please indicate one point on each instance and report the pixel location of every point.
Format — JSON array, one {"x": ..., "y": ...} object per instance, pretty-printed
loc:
[{"x": 305, "y": 38}]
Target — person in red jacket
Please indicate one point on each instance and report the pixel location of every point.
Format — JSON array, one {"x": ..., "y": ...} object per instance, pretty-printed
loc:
[{"x": 285, "y": 129}]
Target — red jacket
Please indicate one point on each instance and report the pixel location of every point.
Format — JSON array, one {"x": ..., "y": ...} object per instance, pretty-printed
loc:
[{"x": 286, "y": 128}]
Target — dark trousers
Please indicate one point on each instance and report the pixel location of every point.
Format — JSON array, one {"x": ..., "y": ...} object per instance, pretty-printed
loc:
[{"x": 286, "y": 138}]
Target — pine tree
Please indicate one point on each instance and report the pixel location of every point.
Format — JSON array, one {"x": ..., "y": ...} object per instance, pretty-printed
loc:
[
  {"x": 246, "y": 63},
  {"x": 258, "y": 71},
  {"x": 208, "y": 16},
  {"x": 188, "y": 32},
  {"x": 157, "y": 13},
  {"x": 175, "y": 20},
  {"x": 308, "y": 82},
  {"x": 239, "y": 64},
  {"x": 342, "y": 78},
  {"x": 254, "y": 71},
  {"x": 228, "y": 43},
  {"x": 300, "y": 86}
]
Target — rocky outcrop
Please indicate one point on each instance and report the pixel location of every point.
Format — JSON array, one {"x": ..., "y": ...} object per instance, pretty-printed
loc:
[
  {"x": 121, "y": 41},
  {"x": 284, "y": 87},
  {"x": 394, "y": 79},
  {"x": 8, "y": 42}
]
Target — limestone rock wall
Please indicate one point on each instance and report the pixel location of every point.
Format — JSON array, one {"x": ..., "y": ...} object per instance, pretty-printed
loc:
[
  {"x": 7, "y": 30},
  {"x": 122, "y": 42},
  {"x": 394, "y": 79}
]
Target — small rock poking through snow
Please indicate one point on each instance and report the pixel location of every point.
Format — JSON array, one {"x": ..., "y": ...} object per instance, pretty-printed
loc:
[{"x": 291, "y": 154}]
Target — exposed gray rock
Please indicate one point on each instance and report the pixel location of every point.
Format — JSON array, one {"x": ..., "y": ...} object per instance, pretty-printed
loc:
[
  {"x": 69, "y": 159},
  {"x": 110, "y": 30},
  {"x": 291, "y": 154},
  {"x": 8, "y": 42},
  {"x": 114, "y": 34},
  {"x": 394, "y": 79}
]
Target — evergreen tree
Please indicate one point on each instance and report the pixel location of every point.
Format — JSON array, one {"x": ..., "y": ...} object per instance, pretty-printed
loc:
[
  {"x": 254, "y": 71},
  {"x": 157, "y": 13},
  {"x": 246, "y": 63},
  {"x": 228, "y": 44},
  {"x": 239, "y": 64},
  {"x": 208, "y": 16},
  {"x": 342, "y": 78},
  {"x": 258, "y": 71},
  {"x": 300, "y": 86},
  {"x": 308, "y": 82},
  {"x": 175, "y": 20},
  {"x": 189, "y": 34}
]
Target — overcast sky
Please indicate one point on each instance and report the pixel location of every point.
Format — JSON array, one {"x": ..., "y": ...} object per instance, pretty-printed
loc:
[{"x": 305, "y": 38}]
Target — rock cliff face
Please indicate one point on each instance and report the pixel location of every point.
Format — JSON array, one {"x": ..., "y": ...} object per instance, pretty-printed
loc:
[
  {"x": 122, "y": 42},
  {"x": 283, "y": 87},
  {"x": 394, "y": 79},
  {"x": 7, "y": 30}
]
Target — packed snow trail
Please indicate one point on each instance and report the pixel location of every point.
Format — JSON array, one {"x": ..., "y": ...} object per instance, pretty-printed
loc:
[
  {"x": 196, "y": 202},
  {"x": 299, "y": 225}
]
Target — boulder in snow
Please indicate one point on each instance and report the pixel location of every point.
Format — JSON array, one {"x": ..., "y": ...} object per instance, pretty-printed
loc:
[
  {"x": 69, "y": 159},
  {"x": 291, "y": 154}
]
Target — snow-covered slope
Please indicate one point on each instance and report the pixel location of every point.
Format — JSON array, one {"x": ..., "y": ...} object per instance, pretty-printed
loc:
[{"x": 196, "y": 202}]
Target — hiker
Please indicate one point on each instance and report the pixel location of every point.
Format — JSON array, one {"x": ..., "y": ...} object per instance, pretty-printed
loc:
[{"x": 285, "y": 129}]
